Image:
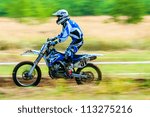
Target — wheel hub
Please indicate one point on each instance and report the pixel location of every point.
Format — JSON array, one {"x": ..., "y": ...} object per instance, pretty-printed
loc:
[
  {"x": 90, "y": 76},
  {"x": 25, "y": 75}
]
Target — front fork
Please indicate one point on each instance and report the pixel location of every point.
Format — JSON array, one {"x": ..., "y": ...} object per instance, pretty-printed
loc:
[{"x": 35, "y": 64}]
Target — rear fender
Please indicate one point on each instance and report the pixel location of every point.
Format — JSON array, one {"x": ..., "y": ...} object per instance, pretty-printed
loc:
[
  {"x": 84, "y": 60},
  {"x": 90, "y": 57}
]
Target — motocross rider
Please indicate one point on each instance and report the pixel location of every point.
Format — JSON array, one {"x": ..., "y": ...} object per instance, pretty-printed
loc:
[{"x": 69, "y": 28}]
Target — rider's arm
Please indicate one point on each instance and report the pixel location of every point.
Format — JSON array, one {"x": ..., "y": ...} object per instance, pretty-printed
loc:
[
  {"x": 65, "y": 33},
  {"x": 62, "y": 36},
  {"x": 53, "y": 40}
]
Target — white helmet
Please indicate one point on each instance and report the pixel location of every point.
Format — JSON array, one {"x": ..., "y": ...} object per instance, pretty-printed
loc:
[{"x": 62, "y": 15}]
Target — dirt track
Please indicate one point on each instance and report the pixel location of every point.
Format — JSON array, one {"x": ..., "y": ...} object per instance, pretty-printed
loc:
[
  {"x": 8, "y": 82},
  {"x": 47, "y": 81}
]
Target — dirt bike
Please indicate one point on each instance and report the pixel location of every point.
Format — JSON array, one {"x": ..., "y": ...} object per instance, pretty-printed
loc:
[{"x": 28, "y": 73}]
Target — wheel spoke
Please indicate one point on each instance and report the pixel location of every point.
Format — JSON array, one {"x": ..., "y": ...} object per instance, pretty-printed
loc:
[
  {"x": 25, "y": 79},
  {"x": 92, "y": 73},
  {"x": 21, "y": 75}
]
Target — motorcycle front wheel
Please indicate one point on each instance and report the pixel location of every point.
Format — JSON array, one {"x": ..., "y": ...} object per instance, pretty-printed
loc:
[
  {"x": 92, "y": 72},
  {"x": 21, "y": 77}
]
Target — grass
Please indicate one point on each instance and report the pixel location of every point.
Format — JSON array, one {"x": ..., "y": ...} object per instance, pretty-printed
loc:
[
  {"x": 134, "y": 71},
  {"x": 89, "y": 44},
  {"x": 117, "y": 81},
  {"x": 119, "y": 55},
  {"x": 124, "y": 89},
  {"x": 4, "y": 45},
  {"x": 129, "y": 55}
]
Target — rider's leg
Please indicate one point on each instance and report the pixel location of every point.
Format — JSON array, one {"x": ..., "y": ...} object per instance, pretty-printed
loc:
[
  {"x": 68, "y": 60},
  {"x": 69, "y": 54}
]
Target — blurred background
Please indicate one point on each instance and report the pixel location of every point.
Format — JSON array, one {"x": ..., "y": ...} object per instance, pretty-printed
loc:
[
  {"x": 44, "y": 8},
  {"x": 119, "y": 29},
  {"x": 101, "y": 20}
]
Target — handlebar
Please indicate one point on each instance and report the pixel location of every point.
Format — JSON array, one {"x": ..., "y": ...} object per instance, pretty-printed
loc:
[{"x": 51, "y": 39}]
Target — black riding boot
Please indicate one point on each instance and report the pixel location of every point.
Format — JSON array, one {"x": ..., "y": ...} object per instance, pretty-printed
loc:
[{"x": 69, "y": 67}]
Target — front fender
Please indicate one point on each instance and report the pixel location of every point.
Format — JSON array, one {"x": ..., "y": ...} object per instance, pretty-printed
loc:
[{"x": 29, "y": 52}]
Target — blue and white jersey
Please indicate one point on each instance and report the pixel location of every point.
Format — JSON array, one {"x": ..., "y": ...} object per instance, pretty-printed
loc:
[{"x": 71, "y": 29}]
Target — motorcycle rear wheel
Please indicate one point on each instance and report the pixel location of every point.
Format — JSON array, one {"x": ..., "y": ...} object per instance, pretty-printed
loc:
[{"x": 92, "y": 71}]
